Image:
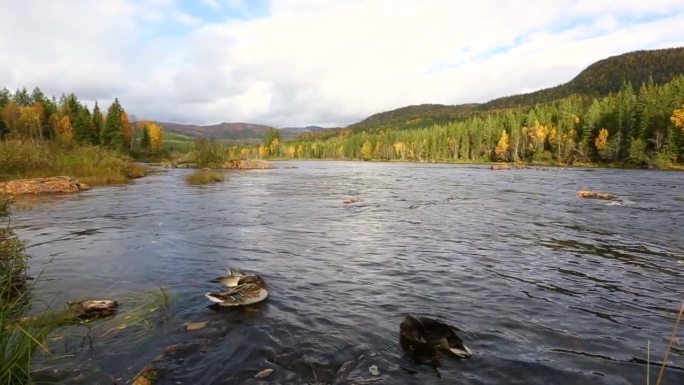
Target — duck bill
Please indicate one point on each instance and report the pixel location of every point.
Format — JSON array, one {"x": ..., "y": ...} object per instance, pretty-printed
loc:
[{"x": 462, "y": 352}]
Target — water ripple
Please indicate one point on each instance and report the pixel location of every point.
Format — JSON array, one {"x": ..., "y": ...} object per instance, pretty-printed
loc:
[{"x": 547, "y": 288}]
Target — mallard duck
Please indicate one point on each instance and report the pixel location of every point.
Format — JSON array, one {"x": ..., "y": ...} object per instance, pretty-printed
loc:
[
  {"x": 250, "y": 289},
  {"x": 231, "y": 280},
  {"x": 425, "y": 337}
]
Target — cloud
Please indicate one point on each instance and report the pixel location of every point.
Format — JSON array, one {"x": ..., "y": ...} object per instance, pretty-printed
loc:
[{"x": 325, "y": 62}]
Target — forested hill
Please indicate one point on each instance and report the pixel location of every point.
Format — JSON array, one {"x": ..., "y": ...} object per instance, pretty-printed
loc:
[
  {"x": 600, "y": 78},
  {"x": 606, "y": 76},
  {"x": 239, "y": 132}
]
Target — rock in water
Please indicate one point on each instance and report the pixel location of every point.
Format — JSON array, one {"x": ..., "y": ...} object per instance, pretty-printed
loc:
[
  {"x": 89, "y": 308},
  {"x": 190, "y": 326},
  {"x": 55, "y": 184},
  {"x": 264, "y": 373},
  {"x": 589, "y": 194}
]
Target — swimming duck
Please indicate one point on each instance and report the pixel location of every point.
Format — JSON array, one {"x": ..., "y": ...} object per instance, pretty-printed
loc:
[
  {"x": 250, "y": 289},
  {"x": 231, "y": 280},
  {"x": 425, "y": 337}
]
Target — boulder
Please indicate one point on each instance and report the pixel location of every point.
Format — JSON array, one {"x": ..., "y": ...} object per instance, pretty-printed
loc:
[
  {"x": 55, "y": 184},
  {"x": 589, "y": 194}
]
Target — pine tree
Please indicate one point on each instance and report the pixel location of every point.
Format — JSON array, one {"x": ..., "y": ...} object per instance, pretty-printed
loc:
[
  {"x": 98, "y": 124},
  {"x": 112, "y": 135}
]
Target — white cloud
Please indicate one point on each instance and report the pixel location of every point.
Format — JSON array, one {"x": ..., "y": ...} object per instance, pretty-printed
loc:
[{"x": 317, "y": 62}]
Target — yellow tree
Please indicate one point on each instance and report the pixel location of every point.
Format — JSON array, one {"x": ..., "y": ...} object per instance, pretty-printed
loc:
[
  {"x": 400, "y": 149},
  {"x": 263, "y": 151},
  {"x": 156, "y": 135},
  {"x": 677, "y": 118},
  {"x": 10, "y": 114},
  {"x": 538, "y": 135},
  {"x": 290, "y": 152},
  {"x": 63, "y": 130},
  {"x": 601, "y": 141},
  {"x": 501, "y": 149},
  {"x": 126, "y": 130},
  {"x": 367, "y": 150},
  {"x": 29, "y": 123},
  {"x": 274, "y": 146}
]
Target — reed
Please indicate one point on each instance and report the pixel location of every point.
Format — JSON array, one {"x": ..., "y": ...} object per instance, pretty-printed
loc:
[
  {"x": 673, "y": 337},
  {"x": 18, "y": 341}
]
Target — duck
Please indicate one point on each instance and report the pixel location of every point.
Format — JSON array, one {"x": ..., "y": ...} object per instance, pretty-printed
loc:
[
  {"x": 249, "y": 290},
  {"x": 425, "y": 338},
  {"x": 231, "y": 280}
]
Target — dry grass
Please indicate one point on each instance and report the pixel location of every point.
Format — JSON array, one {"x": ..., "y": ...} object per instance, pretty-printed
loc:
[{"x": 90, "y": 164}]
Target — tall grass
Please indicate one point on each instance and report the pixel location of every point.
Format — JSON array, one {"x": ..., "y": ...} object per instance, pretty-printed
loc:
[
  {"x": 90, "y": 164},
  {"x": 209, "y": 153}
]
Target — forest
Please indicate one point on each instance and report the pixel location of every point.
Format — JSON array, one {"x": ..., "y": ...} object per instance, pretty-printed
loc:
[
  {"x": 639, "y": 126},
  {"x": 43, "y": 136}
]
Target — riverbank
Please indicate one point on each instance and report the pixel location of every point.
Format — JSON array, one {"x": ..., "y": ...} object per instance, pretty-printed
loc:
[
  {"x": 89, "y": 164},
  {"x": 514, "y": 165}
]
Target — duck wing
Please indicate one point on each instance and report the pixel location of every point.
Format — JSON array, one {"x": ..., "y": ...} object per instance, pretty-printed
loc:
[{"x": 245, "y": 294}]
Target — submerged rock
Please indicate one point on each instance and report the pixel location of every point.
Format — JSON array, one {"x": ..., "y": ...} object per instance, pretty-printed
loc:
[
  {"x": 264, "y": 373},
  {"x": 145, "y": 377},
  {"x": 89, "y": 308},
  {"x": 589, "y": 194},
  {"x": 350, "y": 200},
  {"x": 55, "y": 184},
  {"x": 190, "y": 326},
  {"x": 507, "y": 166}
]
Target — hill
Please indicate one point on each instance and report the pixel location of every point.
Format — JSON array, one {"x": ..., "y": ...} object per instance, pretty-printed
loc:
[
  {"x": 227, "y": 132},
  {"x": 601, "y": 78},
  {"x": 287, "y": 133}
]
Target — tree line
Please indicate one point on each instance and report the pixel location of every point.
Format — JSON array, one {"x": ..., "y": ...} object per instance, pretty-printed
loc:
[
  {"x": 638, "y": 127},
  {"x": 35, "y": 117}
]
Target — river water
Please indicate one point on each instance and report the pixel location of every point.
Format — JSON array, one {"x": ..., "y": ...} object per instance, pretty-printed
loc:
[{"x": 547, "y": 288}]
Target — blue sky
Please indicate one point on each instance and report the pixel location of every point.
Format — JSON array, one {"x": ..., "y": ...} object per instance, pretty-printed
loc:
[{"x": 326, "y": 62}]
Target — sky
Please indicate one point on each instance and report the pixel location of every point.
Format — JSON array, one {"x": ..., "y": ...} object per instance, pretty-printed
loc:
[{"x": 306, "y": 62}]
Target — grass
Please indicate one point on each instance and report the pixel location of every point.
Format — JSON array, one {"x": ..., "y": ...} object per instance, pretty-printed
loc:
[
  {"x": 18, "y": 341},
  {"x": 90, "y": 164},
  {"x": 22, "y": 337},
  {"x": 201, "y": 177}
]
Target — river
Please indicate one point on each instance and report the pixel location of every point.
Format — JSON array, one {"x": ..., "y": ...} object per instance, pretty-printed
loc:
[{"x": 547, "y": 288}]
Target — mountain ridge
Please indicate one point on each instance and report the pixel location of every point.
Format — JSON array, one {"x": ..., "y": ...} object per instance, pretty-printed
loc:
[{"x": 600, "y": 78}]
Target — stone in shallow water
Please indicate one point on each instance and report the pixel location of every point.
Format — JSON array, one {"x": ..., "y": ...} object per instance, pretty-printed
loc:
[
  {"x": 190, "y": 326},
  {"x": 89, "y": 308},
  {"x": 264, "y": 373},
  {"x": 589, "y": 194}
]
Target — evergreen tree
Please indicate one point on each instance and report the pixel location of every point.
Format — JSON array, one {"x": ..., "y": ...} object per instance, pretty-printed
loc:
[
  {"x": 98, "y": 124},
  {"x": 113, "y": 136}
]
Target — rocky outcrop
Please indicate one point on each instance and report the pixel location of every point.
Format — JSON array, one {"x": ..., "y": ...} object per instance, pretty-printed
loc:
[
  {"x": 55, "y": 184},
  {"x": 589, "y": 194},
  {"x": 248, "y": 164}
]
